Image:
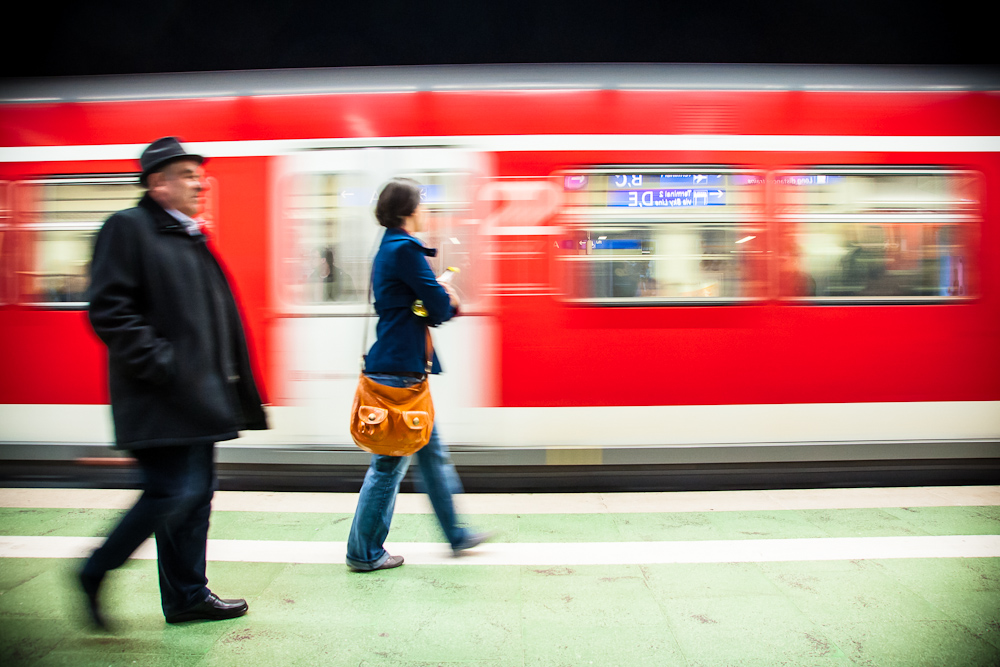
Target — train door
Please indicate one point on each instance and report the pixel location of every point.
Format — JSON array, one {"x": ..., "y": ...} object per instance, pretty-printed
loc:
[{"x": 325, "y": 236}]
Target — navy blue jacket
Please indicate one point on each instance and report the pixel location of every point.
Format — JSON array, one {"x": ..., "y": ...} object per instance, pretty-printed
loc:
[{"x": 401, "y": 275}]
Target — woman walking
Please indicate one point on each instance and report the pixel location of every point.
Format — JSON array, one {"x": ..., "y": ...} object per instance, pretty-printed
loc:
[{"x": 400, "y": 276}]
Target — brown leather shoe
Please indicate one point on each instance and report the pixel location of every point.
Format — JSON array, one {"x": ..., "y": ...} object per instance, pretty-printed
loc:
[
  {"x": 211, "y": 609},
  {"x": 390, "y": 562}
]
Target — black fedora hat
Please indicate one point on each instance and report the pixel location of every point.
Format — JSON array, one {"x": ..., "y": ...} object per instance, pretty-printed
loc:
[{"x": 160, "y": 152}]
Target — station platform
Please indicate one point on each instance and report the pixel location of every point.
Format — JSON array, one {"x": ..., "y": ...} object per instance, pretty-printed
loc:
[{"x": 876, "y": 576}]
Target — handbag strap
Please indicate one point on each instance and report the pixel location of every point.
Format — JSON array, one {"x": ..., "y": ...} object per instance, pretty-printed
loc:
[
  {"x": 429, "y": 353},
  {"x": 368, "y": 312}
]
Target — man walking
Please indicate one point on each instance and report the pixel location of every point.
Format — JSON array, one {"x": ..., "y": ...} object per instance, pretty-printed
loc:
[{"x": 180, "y": 378}]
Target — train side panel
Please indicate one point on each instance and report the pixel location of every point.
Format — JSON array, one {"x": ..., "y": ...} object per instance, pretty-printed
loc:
[{"x": 551, "y": 372}]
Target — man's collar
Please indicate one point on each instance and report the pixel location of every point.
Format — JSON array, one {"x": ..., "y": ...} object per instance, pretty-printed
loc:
[
  {"x": 164, "y": 220},
  {"x": 192, "y": 226}
]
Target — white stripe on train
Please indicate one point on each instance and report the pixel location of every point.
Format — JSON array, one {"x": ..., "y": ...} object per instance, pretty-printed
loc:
[
  {"x": 678, "y": 427},
  {"x": 534, "y": 142}
]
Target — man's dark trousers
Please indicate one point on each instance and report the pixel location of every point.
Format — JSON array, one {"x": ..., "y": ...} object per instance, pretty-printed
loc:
[{"x": 179, "y": 482}]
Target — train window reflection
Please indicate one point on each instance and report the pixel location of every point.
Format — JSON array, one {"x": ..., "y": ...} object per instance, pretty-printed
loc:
[
  {"x": 675, "y": 262},
  {"x": 60, "y": 218},
  {"x": 884, "y": 192},
  {"x": 444, "y": 195},
  {"x": 326, "y": 261},
  {"x": 62, "y": 266},
  {"x": 662, "y": 235},
  {"x": 328, "y": 230},
  {"x": 878, "y": 236}
]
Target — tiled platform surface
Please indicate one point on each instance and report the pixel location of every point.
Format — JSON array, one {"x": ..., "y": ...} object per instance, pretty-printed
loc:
[{"x": 904, "y": 609}]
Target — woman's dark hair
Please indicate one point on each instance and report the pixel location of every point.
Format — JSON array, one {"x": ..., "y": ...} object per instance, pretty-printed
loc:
[{"x": 398, "y": 200}]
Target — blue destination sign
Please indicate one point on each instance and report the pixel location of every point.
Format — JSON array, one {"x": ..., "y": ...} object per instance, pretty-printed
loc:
[
  {"x": 698, "y": 180},
  {"x": 432, "y": 193},
  {"x": 616, "y": 244},
  {"x": 644, "y": 181},
  {"x": 661, "y": 198}
]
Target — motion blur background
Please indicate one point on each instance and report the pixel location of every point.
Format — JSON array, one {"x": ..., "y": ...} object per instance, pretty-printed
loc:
[{"x": 295, "y": 148}]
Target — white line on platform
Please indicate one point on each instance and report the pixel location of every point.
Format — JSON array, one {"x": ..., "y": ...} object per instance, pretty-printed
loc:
[
  {"x": 555, "y": 554},
  {"x": 542, "y": 503}
]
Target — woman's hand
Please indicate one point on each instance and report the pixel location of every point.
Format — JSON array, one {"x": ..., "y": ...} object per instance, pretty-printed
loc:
[{"x": 452, "y": 296}]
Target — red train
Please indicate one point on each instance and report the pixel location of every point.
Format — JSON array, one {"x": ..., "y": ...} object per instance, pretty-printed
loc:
[{"x": 685, "y": 265}]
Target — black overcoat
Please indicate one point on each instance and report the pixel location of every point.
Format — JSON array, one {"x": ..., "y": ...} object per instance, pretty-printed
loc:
[{"x": 178, "y": 365}]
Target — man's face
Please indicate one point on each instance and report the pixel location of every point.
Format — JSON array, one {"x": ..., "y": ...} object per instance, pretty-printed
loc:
[{"x": 179, "y": 186}]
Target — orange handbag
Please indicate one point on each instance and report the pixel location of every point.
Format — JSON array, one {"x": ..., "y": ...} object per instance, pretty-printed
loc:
[{"x": 393, "y": 421}]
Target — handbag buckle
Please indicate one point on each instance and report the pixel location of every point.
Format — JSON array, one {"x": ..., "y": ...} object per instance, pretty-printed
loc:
[
  {"x": 416, "y": 419},
  {"x": 372, "y": 415}
]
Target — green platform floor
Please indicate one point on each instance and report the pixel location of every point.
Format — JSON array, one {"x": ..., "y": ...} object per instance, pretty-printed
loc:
[{"x": 941, "y": 611}]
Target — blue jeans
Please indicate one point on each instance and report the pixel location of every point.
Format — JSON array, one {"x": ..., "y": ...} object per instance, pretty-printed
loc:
[
  {"x": 179, "y": 482},
  {"x": 438, "y": 479}
]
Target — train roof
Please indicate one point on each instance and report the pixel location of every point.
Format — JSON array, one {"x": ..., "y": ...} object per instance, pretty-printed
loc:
[{"x": 624, "y": 76}]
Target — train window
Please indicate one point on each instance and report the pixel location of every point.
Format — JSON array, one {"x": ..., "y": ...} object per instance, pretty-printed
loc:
[
  {"x": 61, "y": 217},
  {"x": 326, "y": 263},
  {"x": 329, "y": 228},
  {"x": 877, "y": 236},
  {"x": 443, "y": 196},
  {"x": 661, "y": 235}
]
